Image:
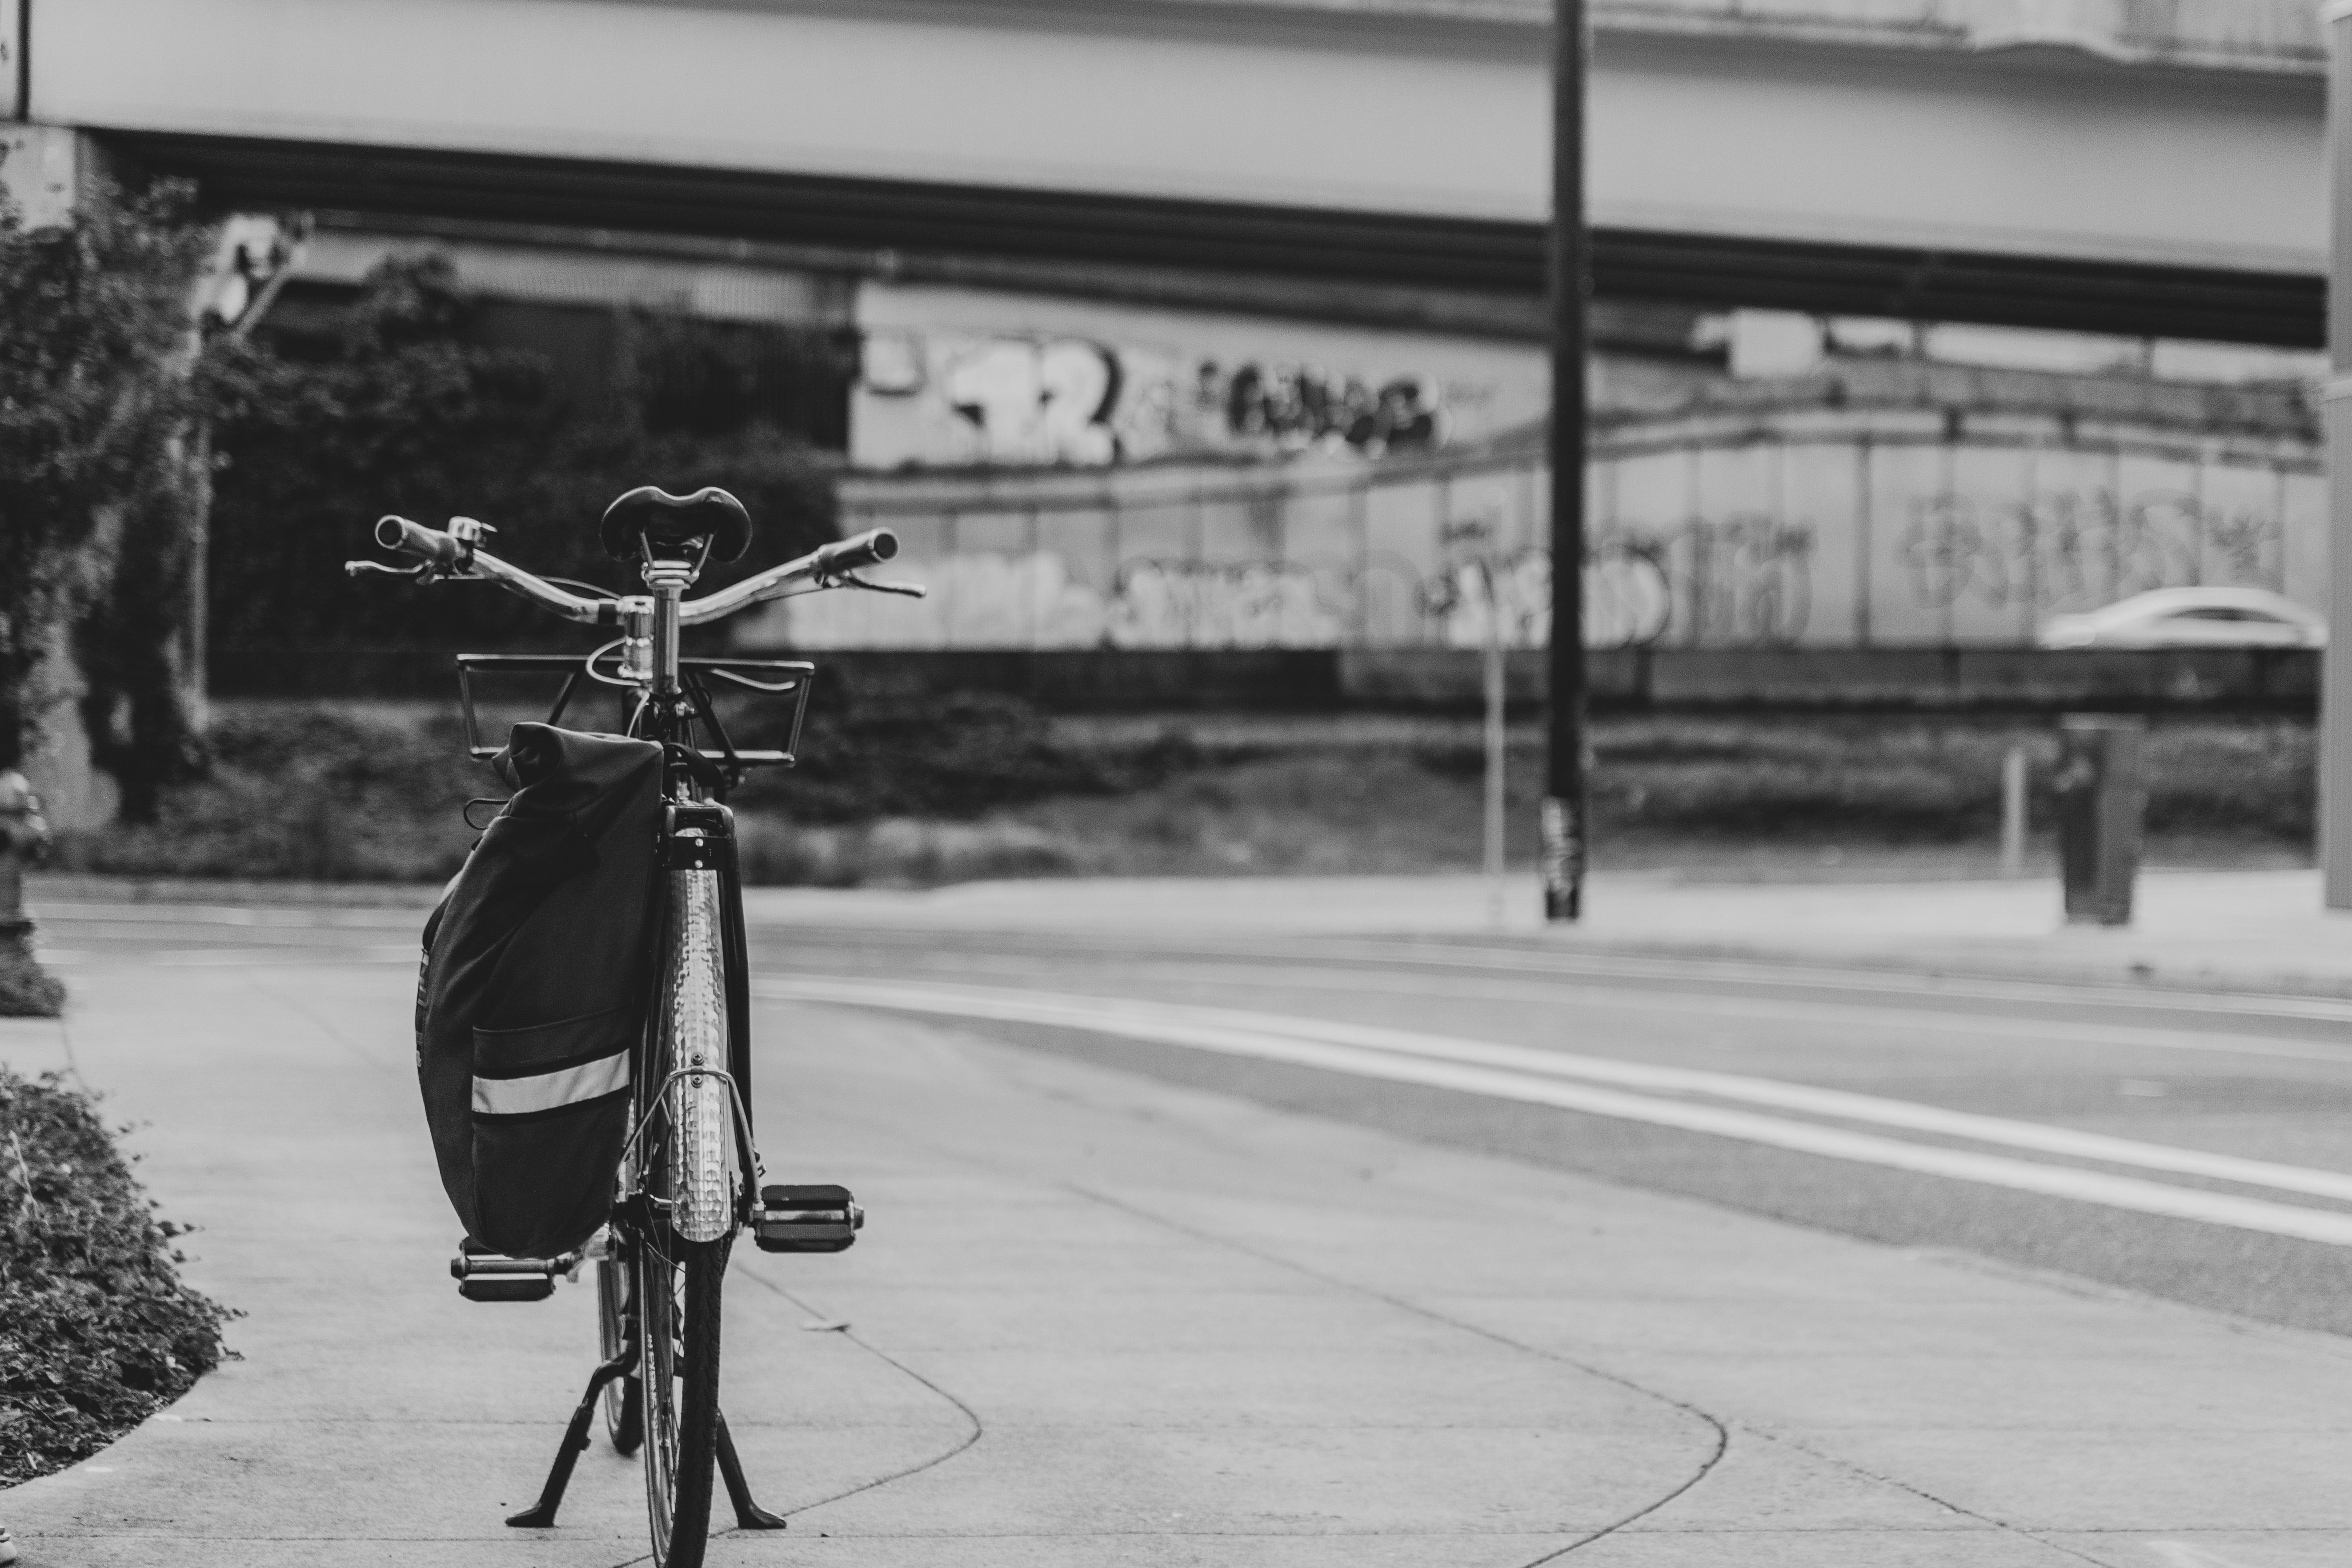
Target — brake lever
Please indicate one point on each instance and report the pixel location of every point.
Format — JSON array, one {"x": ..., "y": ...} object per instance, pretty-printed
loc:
[
  {"x": 353, "y": 568},
  {"x": 909, "y": 590}
]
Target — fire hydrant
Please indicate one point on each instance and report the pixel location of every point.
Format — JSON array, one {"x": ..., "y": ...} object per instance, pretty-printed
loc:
[{"x": 24, "y": 839}]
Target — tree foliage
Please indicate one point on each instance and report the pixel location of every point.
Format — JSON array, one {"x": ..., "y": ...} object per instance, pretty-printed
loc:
[
  {"x": 405, "y": 410},
  {"x": 100, "y": 494},
  {"x": 119, "y": 433}
]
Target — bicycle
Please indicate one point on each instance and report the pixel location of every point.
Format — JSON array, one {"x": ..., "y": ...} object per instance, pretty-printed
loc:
[{"x": 688, "y": 1178}]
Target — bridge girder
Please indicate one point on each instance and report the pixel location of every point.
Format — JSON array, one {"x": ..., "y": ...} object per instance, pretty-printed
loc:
[{"x": 1479, "y": 275}]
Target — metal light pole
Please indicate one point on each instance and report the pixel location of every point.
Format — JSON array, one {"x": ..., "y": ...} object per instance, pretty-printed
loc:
[{"x": 1563, "y": 820}]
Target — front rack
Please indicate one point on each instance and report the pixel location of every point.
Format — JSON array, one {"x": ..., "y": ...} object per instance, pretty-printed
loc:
[{"x": 772, "y": 677}]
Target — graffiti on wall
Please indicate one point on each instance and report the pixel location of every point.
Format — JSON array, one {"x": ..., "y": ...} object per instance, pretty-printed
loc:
[
  {"x": 1029, "y": 400},
  {"x": 1743, "y": 581},
  {"x": 1371, "y": 557},
  {"x": 1294, "y": 406},
  {"x": 1636, "y": 591},
  {"x": 2075, "y": 549},
  {"x": 1020, "y": 400},
  {"x": 1196, "y": 604}
]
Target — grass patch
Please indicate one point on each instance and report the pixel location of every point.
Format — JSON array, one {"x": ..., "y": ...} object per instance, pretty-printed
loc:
[
  {"x": 97, "y": 1333},
  {"x": 903, "y": 788}
]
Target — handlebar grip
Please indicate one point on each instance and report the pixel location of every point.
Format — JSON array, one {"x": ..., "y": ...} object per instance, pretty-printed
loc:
[
  {"x": 406, "y": 538},
  {"x": 868, "y": 549}
]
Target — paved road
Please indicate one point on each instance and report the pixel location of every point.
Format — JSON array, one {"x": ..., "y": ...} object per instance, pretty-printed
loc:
[{"x": 1287, "y": 1248}]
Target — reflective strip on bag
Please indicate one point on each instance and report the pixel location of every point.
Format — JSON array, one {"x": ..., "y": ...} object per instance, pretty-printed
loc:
[{"x": 552, "y": 1091}]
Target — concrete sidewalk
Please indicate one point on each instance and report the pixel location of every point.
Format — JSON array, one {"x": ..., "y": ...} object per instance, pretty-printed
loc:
[
  {"x": 2228, "y": 930},
  {"x": 1099, "y": 1319},
  {"x": 2252, "y": 930}
]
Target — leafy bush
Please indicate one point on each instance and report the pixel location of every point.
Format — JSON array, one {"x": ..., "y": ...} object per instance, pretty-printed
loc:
[
  {"x": 307, "y": 791},
  {"x": 97, "y": 1333},
  {"x": 26, "y": 990},
  {"x": 1930, "y": 781},
  {"x": 375, "y": 792},
  {"x": 875, "y": 748},
  {"x": 898, "y": 786}
]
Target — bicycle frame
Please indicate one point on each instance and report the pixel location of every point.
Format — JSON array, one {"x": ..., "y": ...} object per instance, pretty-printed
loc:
[{"x": 690, "y": 1173}]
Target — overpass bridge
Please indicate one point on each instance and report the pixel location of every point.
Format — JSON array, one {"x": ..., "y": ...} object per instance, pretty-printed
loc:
[{"x": 2133, "y": 167}]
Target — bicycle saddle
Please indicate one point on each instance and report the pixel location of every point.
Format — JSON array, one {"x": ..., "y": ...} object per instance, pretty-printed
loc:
[{"x": 672, "y": 523}]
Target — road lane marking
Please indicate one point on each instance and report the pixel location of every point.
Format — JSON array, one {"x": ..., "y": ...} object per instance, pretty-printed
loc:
[
  {"x": 1794, "y": 972},
  {"x": 1569, "y": 965},
  {"x": 1546, "y": 1078},
  {"x": 1828, "y": 1015},
  {"x": 1841, "y": 1104}
]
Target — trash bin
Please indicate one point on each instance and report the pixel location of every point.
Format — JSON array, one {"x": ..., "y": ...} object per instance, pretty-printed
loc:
[{"x": 2101, "y": 785}]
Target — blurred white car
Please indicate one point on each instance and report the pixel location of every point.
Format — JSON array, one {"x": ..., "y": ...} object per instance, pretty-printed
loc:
[{"x": 2191, "y": 617}]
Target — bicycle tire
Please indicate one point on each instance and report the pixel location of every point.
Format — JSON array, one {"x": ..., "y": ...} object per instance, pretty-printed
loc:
[
  {"x": 678, "y": 1289},
  {"x": 687, "y": 1162},
  {"x": 624, "y": 1400}
]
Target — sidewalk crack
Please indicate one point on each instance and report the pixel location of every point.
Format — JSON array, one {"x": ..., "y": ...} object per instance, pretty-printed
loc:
[
  {"x": 1720, "y": 1432},
  {"x": 1867, "y": 1473},
  {"x": 977, "y": 1428}
]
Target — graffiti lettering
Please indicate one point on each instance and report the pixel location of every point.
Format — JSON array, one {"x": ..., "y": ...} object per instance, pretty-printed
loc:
[
  {"x": 1294, "y": 406},
  {"x": 1025, "y": 400},
  {"x": 1749, "y": 581},
  {"x": 1192, "y": 603},
  {"x": 2076, "y": 550},
  {"x": 1037, "y": 402},
  {"x": 1628, "y": 603},
  {"x": 1742, "y": 582}
]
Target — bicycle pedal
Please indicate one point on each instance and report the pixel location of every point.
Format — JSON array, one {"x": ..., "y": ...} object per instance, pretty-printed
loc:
[
  {"x": 806, "y": 1219},
  {"x": 486, "y": 1275}
]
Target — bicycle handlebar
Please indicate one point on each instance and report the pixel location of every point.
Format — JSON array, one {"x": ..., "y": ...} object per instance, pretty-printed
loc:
[
  {"x": 444, "y": 555},
  {"x": 403, "y": 536},
  {"x": 826, "y": 563},
  {"x": 868, "y": 549}
]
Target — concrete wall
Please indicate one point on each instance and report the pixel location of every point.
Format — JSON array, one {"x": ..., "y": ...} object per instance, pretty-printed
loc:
[{"x": 1794, "y": 528}]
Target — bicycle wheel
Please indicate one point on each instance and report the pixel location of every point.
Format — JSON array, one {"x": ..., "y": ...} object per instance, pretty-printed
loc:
[
  {"x": 688, "y": 1163},
  {"x": 677, "y": 1297},
  {"x": 624, "y": 1407}
]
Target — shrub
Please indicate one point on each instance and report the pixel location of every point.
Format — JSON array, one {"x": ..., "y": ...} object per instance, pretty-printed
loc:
[
  {"x": 875, "y": 748},
  {"x": 375, "y": 792},
  {"x": 97, "y": 1333}
]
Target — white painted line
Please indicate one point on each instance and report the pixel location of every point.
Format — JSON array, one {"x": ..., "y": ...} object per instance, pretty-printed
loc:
[
  {"x": 1463, "y": 1066},
  {"x": 1577, "y": 992},
  {"x": 1841, "y": 1104},
  {"x": 1570, "y": 965},
  {"x": 1799, "y": 972}
]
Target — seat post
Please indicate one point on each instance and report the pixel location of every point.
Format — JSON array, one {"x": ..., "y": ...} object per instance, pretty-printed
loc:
[{"x": 670, "y": 580}]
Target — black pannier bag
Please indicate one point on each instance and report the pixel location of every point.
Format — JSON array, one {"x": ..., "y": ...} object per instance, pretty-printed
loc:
[{"x": 533, "y": 991}]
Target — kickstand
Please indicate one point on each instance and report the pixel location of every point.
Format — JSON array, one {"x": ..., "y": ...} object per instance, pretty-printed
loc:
[
  {"x": 541, "y": 1516},
  {"x": 749, "y": 1515}
]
